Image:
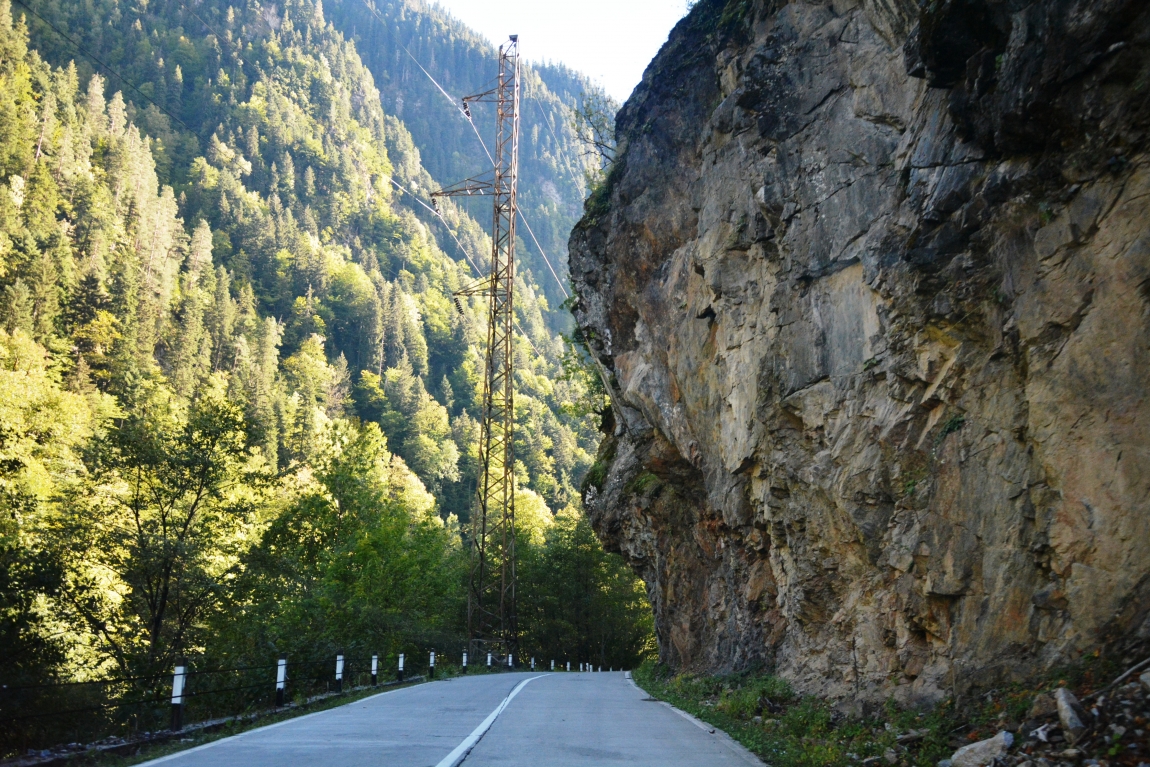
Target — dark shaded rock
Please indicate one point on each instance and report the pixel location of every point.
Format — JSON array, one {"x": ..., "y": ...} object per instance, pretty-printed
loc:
[{"x": 877, "y": 350}]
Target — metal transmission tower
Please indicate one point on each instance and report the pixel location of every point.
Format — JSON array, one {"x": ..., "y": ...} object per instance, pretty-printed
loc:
[{"x": 491, "y": 618}]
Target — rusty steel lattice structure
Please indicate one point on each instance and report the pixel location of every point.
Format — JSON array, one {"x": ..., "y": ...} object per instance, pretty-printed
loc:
[{"x": 491, "y": 617}]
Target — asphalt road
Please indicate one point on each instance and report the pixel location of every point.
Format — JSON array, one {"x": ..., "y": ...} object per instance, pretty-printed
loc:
[{"x": 511, "y": 720}]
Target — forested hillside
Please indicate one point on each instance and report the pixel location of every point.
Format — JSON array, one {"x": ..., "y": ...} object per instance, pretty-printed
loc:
[
  {"x": 398, "y": 37},
  {"x": 238, "y": 403}
]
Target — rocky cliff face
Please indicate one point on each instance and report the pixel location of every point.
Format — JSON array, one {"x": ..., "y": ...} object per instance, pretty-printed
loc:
[{"x": 870, "y": 287}]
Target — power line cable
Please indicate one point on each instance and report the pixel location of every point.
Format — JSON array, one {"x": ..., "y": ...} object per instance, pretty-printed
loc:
[
  {"x": 206, "y": 24},
  {"x": 447, "y": 95},
  {"x": 543, "y": 116},
  {"x": 467, "y": 255},
  {"x": 545, "y": 258},
  {"x": 84, "y": 51},
  {"x": 439, "y": 215},
  {"x": 485, "y": 150}
]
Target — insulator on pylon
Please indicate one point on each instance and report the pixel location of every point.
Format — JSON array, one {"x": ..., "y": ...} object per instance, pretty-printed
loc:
[
  {"x": 435, "y": 204},
  {"x": 467, "y": 110},
  {"x": 458, "y": 306}
]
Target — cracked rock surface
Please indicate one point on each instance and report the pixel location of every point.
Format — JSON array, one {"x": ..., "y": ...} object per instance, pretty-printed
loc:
[{"x": 869, "y": 284}]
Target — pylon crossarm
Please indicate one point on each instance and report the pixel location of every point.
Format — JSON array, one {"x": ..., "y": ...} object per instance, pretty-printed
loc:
[
  {"x": 485, "y": 96},
  {"x": 477, "y": 288},
  {"x": 477, "y": 186}
]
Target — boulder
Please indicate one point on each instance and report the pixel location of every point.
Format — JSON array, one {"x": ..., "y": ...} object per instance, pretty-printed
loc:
[
  {"x": 983, "y": 752},
  {"x": 1043, "y": 706},
  {"x": 1070, "y": 713}
]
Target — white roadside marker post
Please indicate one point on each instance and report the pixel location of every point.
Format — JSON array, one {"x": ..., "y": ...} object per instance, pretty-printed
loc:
[
  {"x": 178, "y": 695},
  {"x": 339, "y": 673},
  {"x": 431, "y": 666},
  {"x": 374, "y": 670},
  {"x": 399, "y": 673},
  {"x": 568, "y": 665},
  {"x": 465, "y": 661},
  {"x": 510, "y": 661},
  {"x": 281, "y": 681},
  {"x": 552, "y": 665},
  {"x": 488, "y": 661},
  {"x": 533, "y": 663}
]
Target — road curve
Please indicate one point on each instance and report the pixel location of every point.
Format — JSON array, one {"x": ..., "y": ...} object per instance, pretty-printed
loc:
[{"x": 553, "y": 719}]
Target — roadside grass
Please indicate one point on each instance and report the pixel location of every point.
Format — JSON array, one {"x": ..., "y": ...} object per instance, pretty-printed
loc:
[
  {"x": 788, "y": 730},
  {"x": 795, "y": 731}
]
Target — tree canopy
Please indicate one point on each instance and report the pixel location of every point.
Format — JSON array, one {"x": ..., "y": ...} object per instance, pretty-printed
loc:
[{"x": 238, "y": 405}]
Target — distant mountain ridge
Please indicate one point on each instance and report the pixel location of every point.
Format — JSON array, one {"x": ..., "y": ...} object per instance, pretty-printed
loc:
[
  {"x": 282, "y": 126},
  {"x": 551, "y": 182}
]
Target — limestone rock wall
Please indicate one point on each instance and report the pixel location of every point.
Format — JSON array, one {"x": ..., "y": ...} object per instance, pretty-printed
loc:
[{"x": 870, "y": 287}]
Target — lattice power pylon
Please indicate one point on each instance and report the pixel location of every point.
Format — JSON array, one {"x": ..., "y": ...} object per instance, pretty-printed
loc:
[{"x": 491, "y": 618}]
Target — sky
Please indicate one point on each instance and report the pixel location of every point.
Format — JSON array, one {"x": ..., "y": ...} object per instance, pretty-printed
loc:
[{"x": 612, "y": 41}]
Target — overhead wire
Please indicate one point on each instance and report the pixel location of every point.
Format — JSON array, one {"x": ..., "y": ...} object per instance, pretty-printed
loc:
[
  {"x": 542, "y": 253},
  {"x": 206, "y": 24},
  {"x": 439, "y": 215},
  {"x": 435, "y": 82},
  {"x": 554, "y": 135},
  {"x": 482, "y": 143},
  {"x": 467, "y": 255},
  {"x": 85, "y": 52}
]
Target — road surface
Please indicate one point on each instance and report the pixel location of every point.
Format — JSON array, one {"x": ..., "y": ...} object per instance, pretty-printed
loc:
[{"x": 511, "y": 720}]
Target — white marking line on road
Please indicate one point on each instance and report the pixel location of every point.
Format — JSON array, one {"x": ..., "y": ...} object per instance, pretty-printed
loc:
[
  {"x": 698, "y": 723},
  {"x": 292, "y": 720},
  {"x": 742, "y": 751},
  {"x": 463, "y": 749}
]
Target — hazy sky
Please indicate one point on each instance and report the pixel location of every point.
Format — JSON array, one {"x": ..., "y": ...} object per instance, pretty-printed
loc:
[{"x": 612, "y": 41}]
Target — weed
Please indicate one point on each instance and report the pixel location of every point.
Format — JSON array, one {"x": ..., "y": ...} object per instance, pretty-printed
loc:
[
  {"x": 952, "y": 425},
  {"x": 643, "y": 483},
  {"x": 597, "y": 475},
  {"x": 795, "y": 731}
]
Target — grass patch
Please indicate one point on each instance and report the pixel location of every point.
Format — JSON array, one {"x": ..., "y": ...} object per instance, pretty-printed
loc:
[
  {"x": 955, "y": 423},
  {"x": 642, "y": 483},
  {"x": 597, "y": 475},
  {"x": 787, "y": 730}
]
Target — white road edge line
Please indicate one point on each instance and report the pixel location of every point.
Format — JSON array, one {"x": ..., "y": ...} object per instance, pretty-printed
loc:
[
  {"x": 742, "y": 751},
  {"x": 292, "y": 720},
  {"x": 461, "y": 751}
]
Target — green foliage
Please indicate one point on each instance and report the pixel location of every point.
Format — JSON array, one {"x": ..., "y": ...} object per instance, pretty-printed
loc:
[
  {"x": 577, "y": 602},
  {"x": 552, "y": 164},
  {"x": 642, "y": 483},
  {"x": 750, "y": 699},
  {"x": 763, "y": 713},
  {"x": 597, "y": 474},
  {"x": 238, "y": 409},
  {"x": 953, "y": 424},
  {"x": 593, "y": 122},
  {"x": 156, "y": 513}
]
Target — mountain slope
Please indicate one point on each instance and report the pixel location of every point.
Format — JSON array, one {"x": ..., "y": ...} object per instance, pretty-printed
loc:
[
  {"x": 552, "y": 164},
  {"x": 270, "y": 129}
]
